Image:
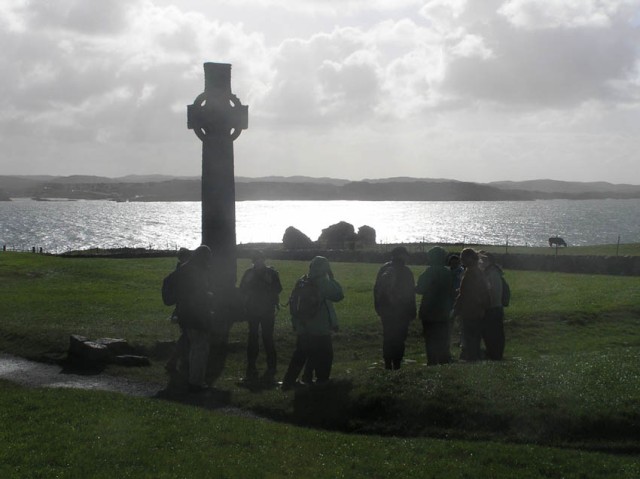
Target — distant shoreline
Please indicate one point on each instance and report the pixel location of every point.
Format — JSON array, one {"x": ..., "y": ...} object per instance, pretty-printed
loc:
[{"x": 174, "y": 189}]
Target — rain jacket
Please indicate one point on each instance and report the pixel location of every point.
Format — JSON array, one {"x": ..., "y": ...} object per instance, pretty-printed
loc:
[
  {"x": 473, "y": 299},
  {"x": 435, "y": 285},
  {"x": 325, "y": 320},
  {"x": 404, "y": 304},
  {"x": 195, "y": 299},
  {"x": 493, "y": 274}
]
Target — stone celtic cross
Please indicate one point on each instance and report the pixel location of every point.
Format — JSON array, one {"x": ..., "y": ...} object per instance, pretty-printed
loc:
[{"x": 217, "y": 117}]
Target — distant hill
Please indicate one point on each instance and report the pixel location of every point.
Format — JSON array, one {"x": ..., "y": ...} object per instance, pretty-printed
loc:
[
  {"x": 168, "y": 188},
  {"x": 16, "y": 186},
  {"x": 292, "y": 179},
  {"x": 554, "y": 186},
  {"x": 408, "y": 179}
]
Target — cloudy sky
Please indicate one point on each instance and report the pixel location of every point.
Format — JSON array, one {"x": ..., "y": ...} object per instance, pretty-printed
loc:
[{"x": 462, "y": 89}]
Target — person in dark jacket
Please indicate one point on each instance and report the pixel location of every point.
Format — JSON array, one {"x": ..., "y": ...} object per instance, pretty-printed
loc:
[
  {"x": 313, "y": 342},
  {"x": 395, "y": 302},
  {"x": 471, "y": 304},
  {"x": 194, "y": 311},
  {"x": 259, "y": 292},
  {"x": 493, "y": 325},
  {"x": 179, "y": 357},
  {"x": 436, "y": 286}
]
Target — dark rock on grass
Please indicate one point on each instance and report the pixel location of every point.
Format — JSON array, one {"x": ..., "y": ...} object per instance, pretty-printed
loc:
[
  {"x": 81, "y": 348},
  {"x": 116, "y": 346},
  {"x": 84, "y": 352}
]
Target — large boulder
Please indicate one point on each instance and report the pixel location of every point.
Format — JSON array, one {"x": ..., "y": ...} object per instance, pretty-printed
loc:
[
  {"x": 295, "y": 239},
  {"x": 338, "y": 236},
  {"x": 366, "y": 236}
]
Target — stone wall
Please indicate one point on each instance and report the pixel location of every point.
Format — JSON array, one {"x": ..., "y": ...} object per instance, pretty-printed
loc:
[{"x": 611, "y": 265}]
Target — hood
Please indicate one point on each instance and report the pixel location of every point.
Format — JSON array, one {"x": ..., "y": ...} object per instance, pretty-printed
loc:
[
  {"x": 201, "y": 257},
  {"x": 436, "y": 256},
  {"x": 318, "y": 267}
]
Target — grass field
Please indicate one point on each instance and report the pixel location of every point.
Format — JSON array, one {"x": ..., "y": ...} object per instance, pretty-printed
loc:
[
  {"x": 570, "y": 378},
  {"x": 629, "y": 249},
  {"x": 65, "y": 433}
]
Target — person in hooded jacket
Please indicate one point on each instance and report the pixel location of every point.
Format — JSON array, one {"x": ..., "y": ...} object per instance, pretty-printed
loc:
[
  {"x": 471, "y": 304},
  {"x": 394, "y": 300},
  {"x": 194, "y": 311},
  {"x": 313, "y": 335},
  {"x": 436, "y": 285}
]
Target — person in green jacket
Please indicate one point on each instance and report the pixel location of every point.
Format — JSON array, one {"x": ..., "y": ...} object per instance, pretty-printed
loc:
[
  {"x": 436, "y": 286},
  {"x": 314, "y": 343}
]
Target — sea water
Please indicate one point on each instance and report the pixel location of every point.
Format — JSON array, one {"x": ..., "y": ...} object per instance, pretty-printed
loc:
[{"x": 58, "y": 226}]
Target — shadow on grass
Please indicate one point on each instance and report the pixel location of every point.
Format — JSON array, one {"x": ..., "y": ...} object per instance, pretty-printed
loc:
[
  {"x": 212, "y": 398},
  {"x": 323, "y": 405}
]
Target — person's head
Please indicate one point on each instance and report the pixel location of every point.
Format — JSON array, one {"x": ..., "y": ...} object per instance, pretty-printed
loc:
[
  {"x": 319, "y": 267},
  {"x": 201, "y": 257},
  {"x": 454, "y": 261},
  {"x": 399, "y": 254},
  {"x": 469, "y": 258},
  {"x": 436, "y": 256},
  {"x": 258, "y": 258},
  {"x": 487, "y": 258},
  {"x": 183, "y": 255}
]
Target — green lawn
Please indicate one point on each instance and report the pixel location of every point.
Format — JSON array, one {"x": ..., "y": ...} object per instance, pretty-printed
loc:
[
  {"x": 569, "y": 378},
  {"x": 69, "y": 434}
]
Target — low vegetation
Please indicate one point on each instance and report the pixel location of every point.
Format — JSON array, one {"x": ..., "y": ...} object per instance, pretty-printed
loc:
[{"x": 570, "y": 379}]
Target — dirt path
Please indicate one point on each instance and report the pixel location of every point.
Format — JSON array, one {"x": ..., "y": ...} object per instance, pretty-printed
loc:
[
  {"x": 40, "y": 375},
  {"x": 34, "y": 374}
]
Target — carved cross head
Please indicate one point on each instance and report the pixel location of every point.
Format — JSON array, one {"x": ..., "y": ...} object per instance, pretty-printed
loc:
[{"x": 217, "y": 112}]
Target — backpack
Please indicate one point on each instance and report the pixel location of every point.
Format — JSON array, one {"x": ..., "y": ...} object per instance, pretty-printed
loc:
[
  {"x": 305, "y": 301},
  {"x": 506, "y": 292},
  {"x": 170, "y": 289},
  {"x": 260, "y": 290},
  {"x": 387, "y": 288}
]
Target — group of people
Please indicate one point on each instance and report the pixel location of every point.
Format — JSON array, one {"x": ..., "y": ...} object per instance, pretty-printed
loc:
[{"x": 464, "y": 290}]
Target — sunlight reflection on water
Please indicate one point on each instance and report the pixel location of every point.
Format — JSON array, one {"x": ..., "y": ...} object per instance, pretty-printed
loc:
[{"x": 58, "y": 226}]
